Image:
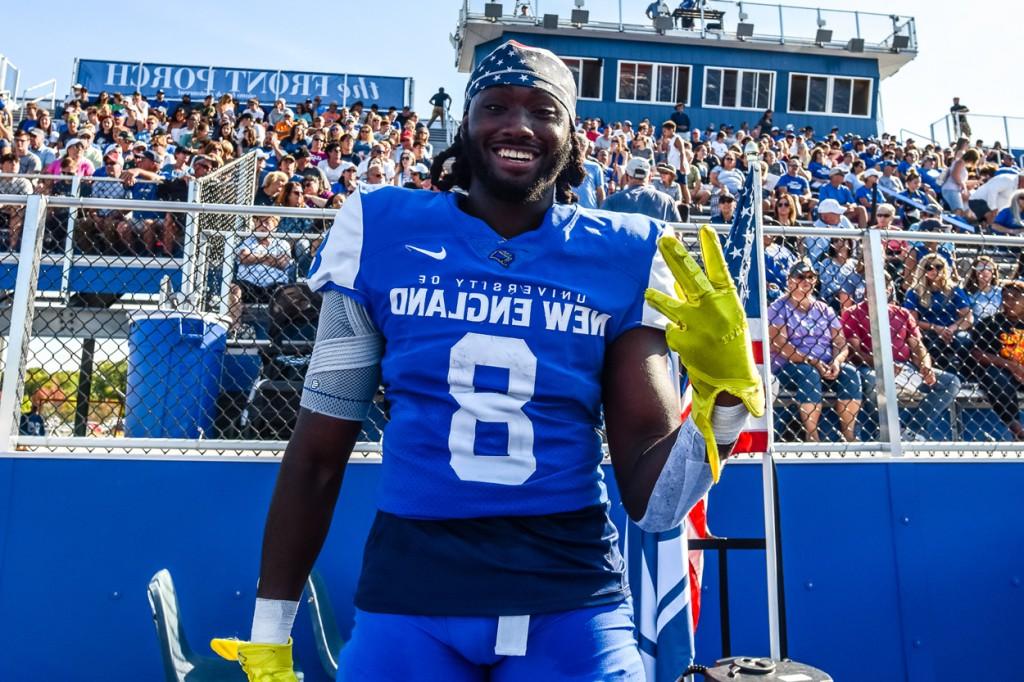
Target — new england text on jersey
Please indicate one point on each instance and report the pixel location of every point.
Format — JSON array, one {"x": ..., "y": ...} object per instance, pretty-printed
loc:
[{"x": 492, "y": 366}]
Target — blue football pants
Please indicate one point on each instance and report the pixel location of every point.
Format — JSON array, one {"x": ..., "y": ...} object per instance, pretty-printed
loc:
[{"x": 593, "y": 644}]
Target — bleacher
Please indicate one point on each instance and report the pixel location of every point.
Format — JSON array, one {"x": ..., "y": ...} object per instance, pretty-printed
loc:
[{"x": 96, "y": 293}]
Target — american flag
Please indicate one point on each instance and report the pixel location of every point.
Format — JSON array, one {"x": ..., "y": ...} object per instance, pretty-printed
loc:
[
  {"x": 664, "y": 576},
  {"x": 741, "y": 255}
]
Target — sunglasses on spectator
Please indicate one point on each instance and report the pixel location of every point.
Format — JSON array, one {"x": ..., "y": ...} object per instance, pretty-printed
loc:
[
  {"x": 884, "y": 215},
  {"x": 983, "y": 268},
  {"x": 783, "y": 204},
  {"x": 807, "y": 276},
  {"x": 934, "y": 266}
]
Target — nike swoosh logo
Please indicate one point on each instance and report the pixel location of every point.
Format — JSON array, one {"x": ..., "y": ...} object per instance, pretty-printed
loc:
[{"x": 436, "y": 255}]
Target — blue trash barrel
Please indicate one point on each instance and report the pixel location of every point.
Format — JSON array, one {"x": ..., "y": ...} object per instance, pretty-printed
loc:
[{"x": 174, "y": 369}]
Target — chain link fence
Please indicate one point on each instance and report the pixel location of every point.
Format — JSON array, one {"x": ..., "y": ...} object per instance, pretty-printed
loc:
[
  {"x": 150, "y": 325},
  {"x": 159, "y": 322},
  {"x": 953, "y": 364}
]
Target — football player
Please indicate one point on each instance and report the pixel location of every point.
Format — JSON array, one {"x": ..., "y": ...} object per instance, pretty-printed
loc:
[{"x": 501, "y": 323}]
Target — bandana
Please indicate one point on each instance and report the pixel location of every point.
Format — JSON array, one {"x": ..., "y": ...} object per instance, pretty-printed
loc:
[{"x": 530, "y": 67}]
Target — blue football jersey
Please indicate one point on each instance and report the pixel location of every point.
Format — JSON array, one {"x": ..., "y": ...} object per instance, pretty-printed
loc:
[{"x": 494, "y": 348}]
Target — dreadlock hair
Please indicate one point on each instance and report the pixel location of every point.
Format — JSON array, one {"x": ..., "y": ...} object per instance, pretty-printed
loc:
[{"x": 460, "y": 174}]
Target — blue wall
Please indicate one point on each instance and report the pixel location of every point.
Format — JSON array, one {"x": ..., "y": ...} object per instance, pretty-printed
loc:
[
  {"x": 910, "y": 570},
  {"x": 699, "y": 56}
]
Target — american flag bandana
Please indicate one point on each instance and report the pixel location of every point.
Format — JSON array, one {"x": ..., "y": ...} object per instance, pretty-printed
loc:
[{"x": 513, "y": 63}]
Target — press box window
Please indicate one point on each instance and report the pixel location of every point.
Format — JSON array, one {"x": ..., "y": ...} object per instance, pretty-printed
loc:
[
  {"x": 587, "y": 74},
  {"x": 658, "y": 83},
  {"x": 829, "y": 95},
  {"x": 738, "y": 88}
]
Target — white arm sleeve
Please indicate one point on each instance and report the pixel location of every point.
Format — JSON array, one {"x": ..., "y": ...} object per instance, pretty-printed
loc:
[
  {"x": 684, "y": 479},
  {"x": 686, "y": 476},
  {"x": 344, "y": 372}
]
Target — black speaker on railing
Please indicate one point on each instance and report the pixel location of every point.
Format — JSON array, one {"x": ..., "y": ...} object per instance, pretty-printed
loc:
[{"x": 493, "y": 10}]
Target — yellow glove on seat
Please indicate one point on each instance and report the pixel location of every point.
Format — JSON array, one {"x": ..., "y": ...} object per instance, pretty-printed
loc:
[
  {"x": 260, "y": 662},
  {"x": 708, "y": 329}
]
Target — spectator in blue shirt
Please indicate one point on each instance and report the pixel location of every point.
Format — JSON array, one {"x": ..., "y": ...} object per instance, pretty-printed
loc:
[
  {"x": 909, "y": 213},
  {"x": 943, "y": 312},
  {"x": 835, "y": 189},
  {"x": 590, "y": 192},
  {"x": 869, "y": 196},
  {"x": 1010, "y": 220},
  {"x": 656, "y": 9},
  {"x": 930, "y": 174},
  {"x": 796, "y": 185},
  {"x": 818, "y": 169},
  {"x": 870, "y": 156},
  {"x": 908, "y": 164},
  {"x": 727, "y": 208},
  {"x": 142, "y": 225}
]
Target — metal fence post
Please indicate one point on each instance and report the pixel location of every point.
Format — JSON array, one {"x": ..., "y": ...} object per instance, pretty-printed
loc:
[
  {"x": 190, "y": 246},
  {"x": 878, "y": 308},
  {"x": 26, "y": 283},
  {"x": 776, "y": 636},
  {"x": 69, "y": 242}
]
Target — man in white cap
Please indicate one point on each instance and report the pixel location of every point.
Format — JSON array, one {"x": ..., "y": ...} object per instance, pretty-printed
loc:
[
  {"x": 830, "y": 214},
  {"x": 837, "y": 189},
  {"x": 640, "y": 197}
]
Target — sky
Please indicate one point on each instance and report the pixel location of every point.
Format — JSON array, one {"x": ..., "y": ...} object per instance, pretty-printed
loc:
[{"x": 410, "y": 38}]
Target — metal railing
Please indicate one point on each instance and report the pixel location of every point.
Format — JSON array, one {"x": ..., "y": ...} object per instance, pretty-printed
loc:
[
  {"x": 772, "y": 23},
  {"x": 50, "y": 94},
  {"x": 74, "y": 321},
  {"x": 10, "y": 77},
  {"x": 1008, "y": 131}
]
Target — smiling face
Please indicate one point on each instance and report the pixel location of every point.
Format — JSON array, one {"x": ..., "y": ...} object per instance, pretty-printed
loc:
[{"x": 517, "y": 141}]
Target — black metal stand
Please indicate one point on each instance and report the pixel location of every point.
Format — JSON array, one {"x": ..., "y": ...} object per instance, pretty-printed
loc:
[
  {"x": 722, "y": 547},
  {"x": 85, "y": 369}
]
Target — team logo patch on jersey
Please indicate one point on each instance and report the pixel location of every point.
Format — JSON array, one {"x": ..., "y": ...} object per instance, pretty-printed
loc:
[{"x": 504, "y": 257}]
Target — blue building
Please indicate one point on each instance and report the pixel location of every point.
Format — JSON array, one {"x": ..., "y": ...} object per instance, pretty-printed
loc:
[{"x": 731, "y": 61}]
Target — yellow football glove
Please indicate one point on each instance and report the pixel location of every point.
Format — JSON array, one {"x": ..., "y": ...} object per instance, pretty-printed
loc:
[
  {"x": 708, "y": 329},
  {"x": 260, "y": 662}
]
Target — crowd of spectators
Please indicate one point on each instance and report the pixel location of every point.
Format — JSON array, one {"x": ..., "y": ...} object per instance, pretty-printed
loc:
[
  {"x": 948, "y": 319},
  {"x": 310, "y": 155},
  {"x": 124, "y": 146}
]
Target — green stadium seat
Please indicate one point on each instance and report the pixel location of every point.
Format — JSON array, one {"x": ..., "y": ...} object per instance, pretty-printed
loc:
[
  {"x": 325, "y": 626},
  {"x": 181, "y": 663}
]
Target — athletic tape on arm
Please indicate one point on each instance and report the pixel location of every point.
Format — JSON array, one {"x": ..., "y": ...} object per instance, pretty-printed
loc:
[{"x": 344, "y": 372}]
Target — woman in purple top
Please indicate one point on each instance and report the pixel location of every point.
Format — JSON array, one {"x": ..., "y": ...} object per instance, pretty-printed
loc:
[{"x": 809, "y": 351}]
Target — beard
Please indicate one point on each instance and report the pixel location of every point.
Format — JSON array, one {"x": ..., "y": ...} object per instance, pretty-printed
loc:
[{"x": 526, "y": 190}]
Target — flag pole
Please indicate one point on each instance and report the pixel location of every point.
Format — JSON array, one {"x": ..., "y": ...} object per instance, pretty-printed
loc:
[{"x": 768, "y": 493}]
